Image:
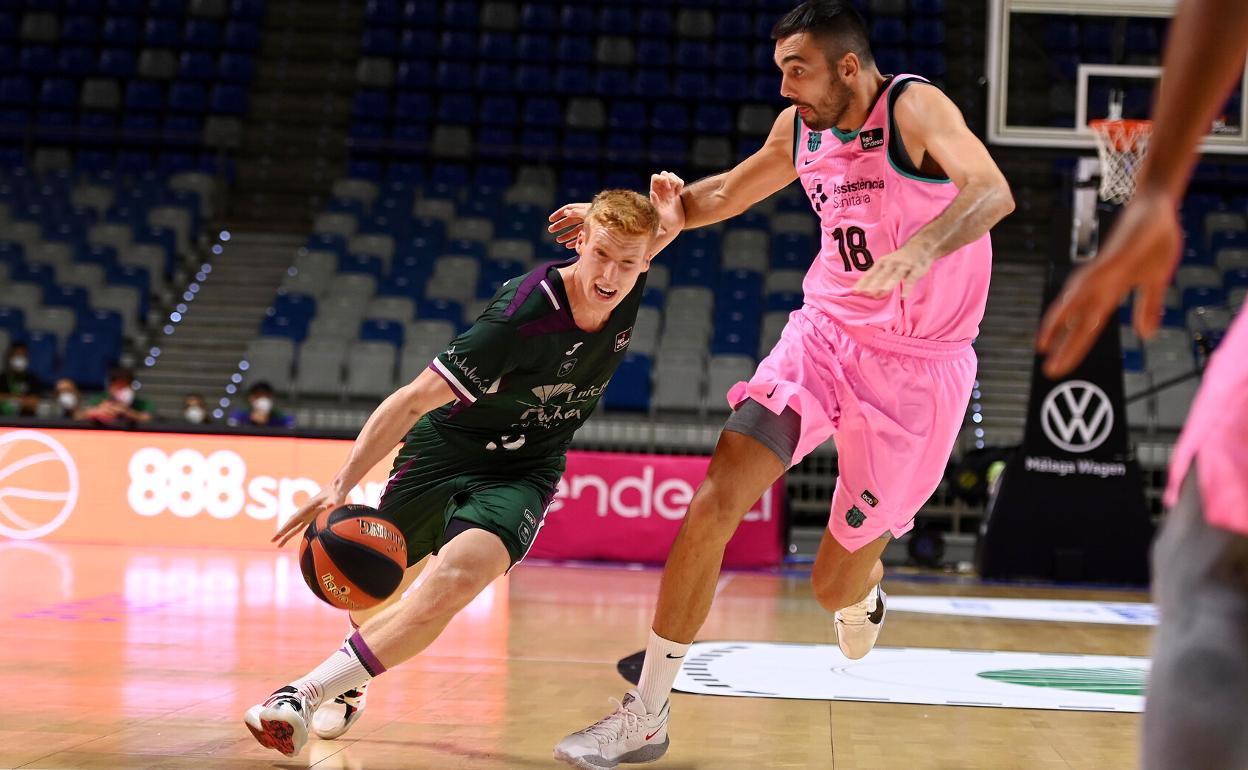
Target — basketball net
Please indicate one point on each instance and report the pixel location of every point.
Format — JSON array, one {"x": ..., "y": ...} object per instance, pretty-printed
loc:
[{"x": 1121, "y": 146}]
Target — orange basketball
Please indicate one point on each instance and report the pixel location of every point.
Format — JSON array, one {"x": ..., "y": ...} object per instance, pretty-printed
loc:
[{"x": 353, "y": 557}]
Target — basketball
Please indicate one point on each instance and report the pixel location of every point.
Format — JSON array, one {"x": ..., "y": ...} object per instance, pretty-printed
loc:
[{"x": 352, "y": 557}]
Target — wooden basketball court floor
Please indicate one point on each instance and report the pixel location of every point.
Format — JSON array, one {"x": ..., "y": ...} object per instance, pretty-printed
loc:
[{"x": 146, "y": 658}]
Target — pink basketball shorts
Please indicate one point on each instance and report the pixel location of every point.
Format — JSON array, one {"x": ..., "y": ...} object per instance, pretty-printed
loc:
[{"x": 894, "y": 404}]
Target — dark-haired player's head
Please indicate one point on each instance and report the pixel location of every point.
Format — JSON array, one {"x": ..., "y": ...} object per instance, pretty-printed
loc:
[
  {"x": 821, "y": 49},
  {"x": 260, "y": 396},
  {"x": 614, "y": 247}
]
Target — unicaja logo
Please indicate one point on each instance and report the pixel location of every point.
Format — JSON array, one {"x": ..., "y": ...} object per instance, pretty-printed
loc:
[
  {"x": 38, "y": 484},
  {"x": 1077, "y": 416}
]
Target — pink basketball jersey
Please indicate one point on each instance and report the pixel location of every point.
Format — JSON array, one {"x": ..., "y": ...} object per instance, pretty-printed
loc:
[
  {"x": 870, "y": 200},
  {"x": 1216, "y": 435}
]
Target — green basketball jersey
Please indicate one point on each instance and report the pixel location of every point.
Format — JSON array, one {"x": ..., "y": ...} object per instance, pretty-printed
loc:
[{"x": 524, "y": 375}]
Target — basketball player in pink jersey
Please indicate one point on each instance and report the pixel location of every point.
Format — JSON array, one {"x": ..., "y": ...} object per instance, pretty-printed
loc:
[
  {"x": 1195, "y": 712},
  {"x": 879, "y": 356}
]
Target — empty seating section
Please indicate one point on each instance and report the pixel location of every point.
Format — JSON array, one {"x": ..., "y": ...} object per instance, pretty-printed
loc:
[
  {"x": 128, "y": 86},
  {"x": 83, "y": 256},
  {"x": 601, "y": 83}
]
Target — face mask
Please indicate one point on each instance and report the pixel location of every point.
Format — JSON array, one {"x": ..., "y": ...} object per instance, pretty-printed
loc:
[
  {"x": 195, "y": 414},
  {"x": 263, "y": 404},
  {"x": 68, "y": 400},
  {"x": 18, "y": 363},
  {"x": 124, "y": 395}
]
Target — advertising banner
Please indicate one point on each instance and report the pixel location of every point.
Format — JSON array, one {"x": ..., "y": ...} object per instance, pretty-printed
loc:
[{"x": 207, "y": 490}]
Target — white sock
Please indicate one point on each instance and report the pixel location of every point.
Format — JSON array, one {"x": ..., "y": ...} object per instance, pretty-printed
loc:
[
  {"x": 658, "y": 672},
  {"x": 352, "y": 666}
]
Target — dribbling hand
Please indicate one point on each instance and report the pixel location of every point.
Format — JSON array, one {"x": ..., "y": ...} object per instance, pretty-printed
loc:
[{"x": 326, "y": 499}]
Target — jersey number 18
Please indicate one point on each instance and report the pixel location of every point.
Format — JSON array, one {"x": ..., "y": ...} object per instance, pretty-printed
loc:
[{"x": 852, "y": 243}]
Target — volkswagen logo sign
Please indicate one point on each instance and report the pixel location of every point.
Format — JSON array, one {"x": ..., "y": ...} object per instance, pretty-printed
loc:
[{"x": 1077, "y": 416}]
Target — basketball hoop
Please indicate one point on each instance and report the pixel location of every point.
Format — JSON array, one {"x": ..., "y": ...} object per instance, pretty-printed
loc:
[{"x": 1121, "y": 146}]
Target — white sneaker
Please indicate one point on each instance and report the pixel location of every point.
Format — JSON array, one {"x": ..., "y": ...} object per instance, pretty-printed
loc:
[
  {"x": 858, "y": 625},
  {"x": 333, "y": 719},
  {"x": 629, "y": 735},
  {"x": 280, "y": 723}
]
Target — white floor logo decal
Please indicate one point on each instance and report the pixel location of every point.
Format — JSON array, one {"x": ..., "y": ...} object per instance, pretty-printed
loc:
[
  {"x": 38, "y": 484},
  {"x": 940, "y": 677},
  {"x": 1056, "y": 610}
]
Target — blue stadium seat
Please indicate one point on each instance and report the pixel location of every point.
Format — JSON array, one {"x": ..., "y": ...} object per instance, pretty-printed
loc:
[
  {"x": 574, "y": 50},
  {"x": 413, "y": 107},
  {"x": 630, "y": 386},
  {"x": 116, "y": 62},
  {"x": 420, "y": 13},
  {"x": 652, "y": 84},
  {"x": 360, "y": 263},
  {"x": 573, "y": 80},
  {"x": 203, "y": 33},
  {"x": 377, "y": 41},
  {"x": 786, "y": 301},
  {"x": 122, "y": 32},
  {"x": 458, "y": 45},
  {"x": 538, "y": 16},
  {"x": 161, "y": 33},
  {"x": 1228, "y": 240},
  {"x": 401, "y": 286},
  {"x": 87, "y": 359},
  {"x": 144, "y": 96},
  {"x": 657, "y": 22},
  {"x": 292, "y": 327},
  {"x": 888, "y": 31},
  {"x": 927, "y": 32},
  {"x": 1173, "y": 317},
  {"x": 731, "y": 56},
  {"x": 533, "y": 78},
  {"x": 197, "y": 65},
  {"x": 174, "y": 8},
  {"x": 413, "y": 74},
  {"x": 668, "y": 150},
  {"x": 440, "y": 310},
  {"x": 382, "y": 12},
  {"x": 618, "y": 20},
  {"x": 693, "y": 54},
  {"x": 371, "y": 105},
  {"x": 293, "y": 306},
  {"x": 42, "y": 347},
  {"x": 247, "y": 9},
  {"x": 495, "y": 78},
  {"x": 1133, "y": 360},
  {"x": 670, "y": 116},
  {"x": 16, "y": 90},
  {"x": 76, "y": 62},
  {"x": 188, "y": 97},
  {"x": 733, "y": 25},
  {"x": 106, "y": 325},
  {"x": 417, "y": 44},
  {"x": 43, "y": 275},
  {"x": 543, "y": 112},
  {"x": 494, "y": 275},
  {"x": 74, "y": 297},
  {"x": 627, "y": 116},
  {"x": 497, "y": 47},
  {"x": 228, "y": 99},
  {"x": 58, "y": 93},
  {"x": 654, "y": 52},
  {"x": 382, "y": 330},
  {"x": 691, "y": 86},
  {"x": 236, "y": 67},
  {"x": 37, "y": 60},
  {"x": 461, "y": 13},
  {"x": 1203, "y": 296},
  {"x": 613, "y": 80},
  {"x": 1235, "y": 277},
  {"x": 576, "y": 19},
  {"x": 535, "y": 48},
  {"x": 13, "y": 320}
]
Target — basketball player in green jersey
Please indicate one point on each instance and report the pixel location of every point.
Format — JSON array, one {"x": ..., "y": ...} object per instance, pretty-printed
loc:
[{"x": 485, "y": 432}]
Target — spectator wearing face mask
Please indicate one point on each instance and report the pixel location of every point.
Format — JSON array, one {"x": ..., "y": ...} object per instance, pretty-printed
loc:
[
  {"x": 195, "y": 410},
  {"x": 68, "y": 401},
  {"x": 19, "y": 387},
  {"x": 261, "y": 412},
  {"x": 120, "y": 407}
]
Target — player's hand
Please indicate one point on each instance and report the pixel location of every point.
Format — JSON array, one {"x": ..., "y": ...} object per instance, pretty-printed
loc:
[
  {"x": 903, "y": 266},
  {"x": 326, "y": 499},
  {"x": 1141, "y": 252},
  {"x": 665, "y": 190},
  {"x": 567, "y": 222}
]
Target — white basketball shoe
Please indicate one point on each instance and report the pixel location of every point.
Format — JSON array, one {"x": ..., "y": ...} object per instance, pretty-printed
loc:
[
  {"x": 858, "y": 625},
  {"x": 333, "y": 719},
  {"x": 628, "y": 735},
  {"x": 280, "y": 723}
]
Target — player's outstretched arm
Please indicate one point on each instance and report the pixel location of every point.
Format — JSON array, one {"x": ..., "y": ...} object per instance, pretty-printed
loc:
[
  {"x": 1208, "y": 40},
  {"x": 726, "y": 195},
  {"x": 931, "y": 123},
  {"x": 385, "y": 428}
]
